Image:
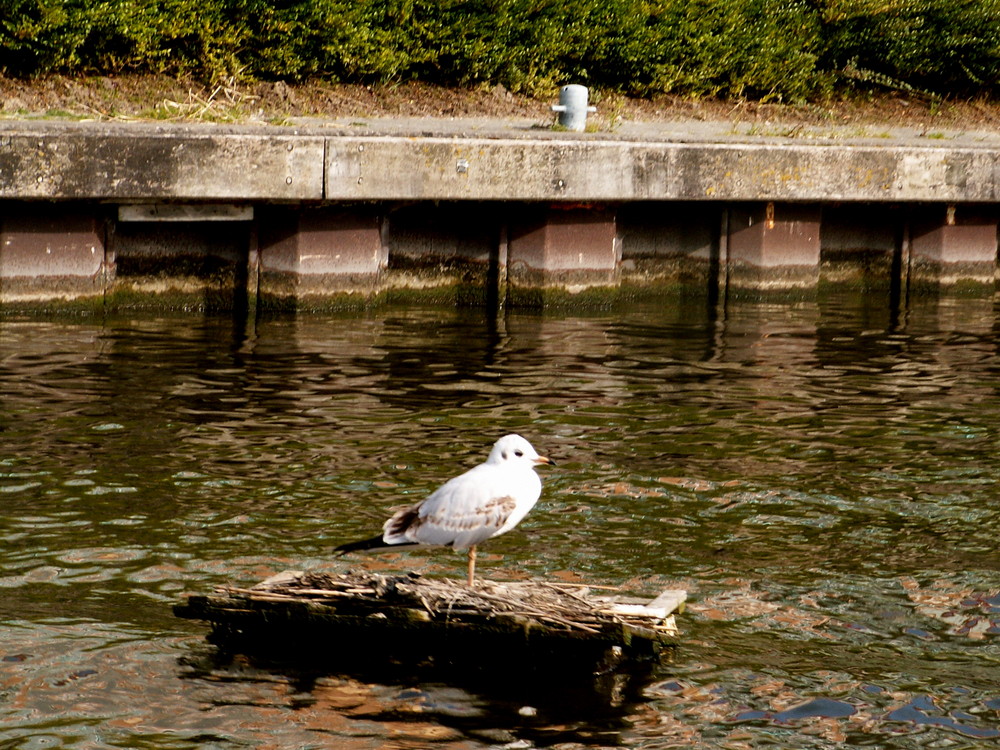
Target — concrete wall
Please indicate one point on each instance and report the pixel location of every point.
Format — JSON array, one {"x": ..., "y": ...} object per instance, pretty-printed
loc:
[
  {"x": 135, "y": 215},
  {"x": 190, "y": 163},
  {"x": 327, "y": 256}
]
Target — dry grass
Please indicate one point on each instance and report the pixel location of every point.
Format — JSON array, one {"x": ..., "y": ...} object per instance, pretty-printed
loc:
[{"x": 234, "y": 101}]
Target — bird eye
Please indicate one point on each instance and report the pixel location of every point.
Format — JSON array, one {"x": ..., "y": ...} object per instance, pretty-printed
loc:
[{"x": 518, "y": 452}]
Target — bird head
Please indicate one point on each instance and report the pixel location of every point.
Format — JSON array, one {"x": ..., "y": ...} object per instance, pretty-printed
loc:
[{"x": 514, "y": 449}]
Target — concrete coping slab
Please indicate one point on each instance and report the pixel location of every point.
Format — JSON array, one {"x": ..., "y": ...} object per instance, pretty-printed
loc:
[{"x": 478, "y": 159}]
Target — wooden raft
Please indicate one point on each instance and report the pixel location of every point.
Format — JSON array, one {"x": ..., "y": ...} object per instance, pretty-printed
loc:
[{"x": 362, "y": 616}]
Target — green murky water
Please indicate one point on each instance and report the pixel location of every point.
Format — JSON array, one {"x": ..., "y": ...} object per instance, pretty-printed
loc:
[{"x": 821, "y": 477}]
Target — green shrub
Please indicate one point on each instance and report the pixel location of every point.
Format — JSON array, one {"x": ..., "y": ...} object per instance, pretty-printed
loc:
[
  {"x": 766, "y": 49},
  {"x": 752, "y": 48},
  {"x": 943, "y": 46},
  {"x": 42, "y": 35}
]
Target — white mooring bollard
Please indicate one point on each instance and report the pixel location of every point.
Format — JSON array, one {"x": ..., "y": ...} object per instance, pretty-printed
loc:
[{"x": 572, "y": 107}]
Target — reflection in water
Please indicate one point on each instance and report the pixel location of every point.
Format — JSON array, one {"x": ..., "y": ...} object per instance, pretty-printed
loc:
[{"x": 819, "y": 476}]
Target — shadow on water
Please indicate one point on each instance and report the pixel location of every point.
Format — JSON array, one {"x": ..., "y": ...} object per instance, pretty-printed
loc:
[{"x": 502, "y": 702}]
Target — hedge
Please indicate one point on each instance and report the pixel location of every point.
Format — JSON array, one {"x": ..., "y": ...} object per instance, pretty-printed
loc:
[{"x": 766, "y": 49}]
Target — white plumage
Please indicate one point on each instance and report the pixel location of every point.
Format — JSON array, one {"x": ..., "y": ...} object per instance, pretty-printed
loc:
[{"x": 484, "y": 502}]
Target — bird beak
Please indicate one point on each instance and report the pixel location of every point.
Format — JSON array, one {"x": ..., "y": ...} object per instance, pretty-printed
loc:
[{"x": 545, "y": 460}]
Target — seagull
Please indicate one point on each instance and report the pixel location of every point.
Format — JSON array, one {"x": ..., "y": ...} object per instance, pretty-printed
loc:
[{"x": 484, "y": 502}]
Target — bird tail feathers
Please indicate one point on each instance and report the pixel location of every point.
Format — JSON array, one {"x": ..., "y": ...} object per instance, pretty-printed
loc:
[
  {"x": 373, "y": 543},
  {"x": 376, "y": 542}
]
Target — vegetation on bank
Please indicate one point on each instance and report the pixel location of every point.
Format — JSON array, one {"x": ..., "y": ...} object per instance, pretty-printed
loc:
[{"x": 782, "y": 50}]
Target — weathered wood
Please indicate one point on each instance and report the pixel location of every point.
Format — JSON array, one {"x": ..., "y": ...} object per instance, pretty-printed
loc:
[{"x": 365, "y": 616}]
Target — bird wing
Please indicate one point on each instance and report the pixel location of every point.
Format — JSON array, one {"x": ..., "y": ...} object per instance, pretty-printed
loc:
[{"x": 466, "y": 510}]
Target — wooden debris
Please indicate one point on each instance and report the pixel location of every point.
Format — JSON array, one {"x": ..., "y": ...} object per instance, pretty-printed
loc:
[{"x": 359, "y": 613}]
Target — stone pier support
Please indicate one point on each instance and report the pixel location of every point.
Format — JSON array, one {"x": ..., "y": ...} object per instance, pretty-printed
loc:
[
  {"x": 178, "y": 263},
  {"x": 557, "y": 251},
  {"x": 50, "y": 254},
  {"x": 773, "y": 247},
  {"x": 953, "y": 245},
  {"x": 443, "y": 252},
  {"x": 861, "y": 246},
  {"x": 669, "y": 246},
  {"x": 318, "y": 257}
]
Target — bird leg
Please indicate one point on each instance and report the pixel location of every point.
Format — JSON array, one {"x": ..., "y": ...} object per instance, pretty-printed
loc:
[{"x": 472, "y": 566}]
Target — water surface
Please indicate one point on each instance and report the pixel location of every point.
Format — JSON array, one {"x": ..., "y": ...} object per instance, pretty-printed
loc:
[{"x": 820, "y": 476}]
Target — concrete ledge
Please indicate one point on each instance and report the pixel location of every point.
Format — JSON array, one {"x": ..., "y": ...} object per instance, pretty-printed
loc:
[
  {"x": 64, "y": 162},
  {"x": 60, "y": 161},
  {"x": 429, "y": 168},
  {"x": 391, "y": 168}
]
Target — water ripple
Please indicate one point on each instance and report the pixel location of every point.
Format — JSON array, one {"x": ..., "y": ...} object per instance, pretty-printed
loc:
[{"x": 818, "y": 477}]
